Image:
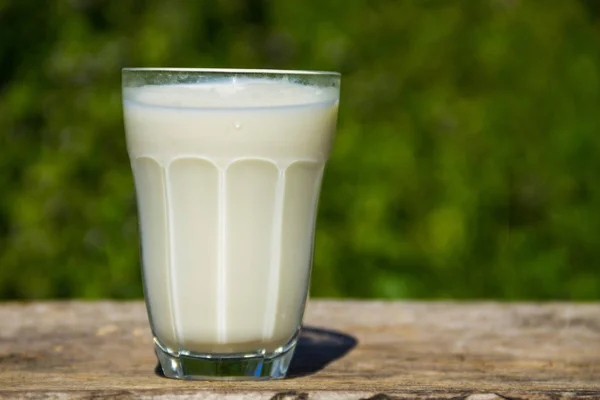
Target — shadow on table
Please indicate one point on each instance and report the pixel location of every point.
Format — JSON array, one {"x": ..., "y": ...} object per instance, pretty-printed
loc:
[{"x": 316, "y": 349}]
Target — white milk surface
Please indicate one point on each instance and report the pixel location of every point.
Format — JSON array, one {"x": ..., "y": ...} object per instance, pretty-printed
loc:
[{"x": 227, "y": 177}]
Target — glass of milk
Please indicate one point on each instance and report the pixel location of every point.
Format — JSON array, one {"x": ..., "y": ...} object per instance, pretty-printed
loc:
[{"x": 227, "y": 167}]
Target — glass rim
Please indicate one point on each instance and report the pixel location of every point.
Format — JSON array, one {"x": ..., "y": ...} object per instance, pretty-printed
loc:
[{"x": 247, "y": 71}]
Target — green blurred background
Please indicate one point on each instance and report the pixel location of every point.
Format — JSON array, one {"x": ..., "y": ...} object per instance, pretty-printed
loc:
[{"x": 466, "y": 163}]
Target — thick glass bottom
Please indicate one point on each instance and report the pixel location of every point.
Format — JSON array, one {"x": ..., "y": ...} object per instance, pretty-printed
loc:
[{"x": 229, "y": 367}]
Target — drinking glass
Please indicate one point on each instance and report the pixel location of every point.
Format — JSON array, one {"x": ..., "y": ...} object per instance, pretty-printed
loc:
[{"x": 227, "y": 167}]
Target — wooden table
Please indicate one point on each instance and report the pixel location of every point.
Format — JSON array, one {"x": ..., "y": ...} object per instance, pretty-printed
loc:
[{"x": 350, "y": 350}]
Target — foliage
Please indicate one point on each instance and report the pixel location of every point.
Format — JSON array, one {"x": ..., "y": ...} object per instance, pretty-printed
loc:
[{"x": 465, "y": 165}]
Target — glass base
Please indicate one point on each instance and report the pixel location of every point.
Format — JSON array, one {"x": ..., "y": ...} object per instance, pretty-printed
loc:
[{"x": 225, "y": 367}]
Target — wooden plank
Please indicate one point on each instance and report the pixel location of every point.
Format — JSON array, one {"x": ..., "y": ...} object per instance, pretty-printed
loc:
[{"x": 353, "y": 350}]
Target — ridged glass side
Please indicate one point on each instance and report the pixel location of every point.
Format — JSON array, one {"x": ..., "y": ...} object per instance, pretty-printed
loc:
[
  {"x": 226, "y": 250},
  {"x": 194, "y": 218},
  {"x": 303, "y": 181},
  {"x": 251, "y": 201},
  {"x": 152, "y": 214}
]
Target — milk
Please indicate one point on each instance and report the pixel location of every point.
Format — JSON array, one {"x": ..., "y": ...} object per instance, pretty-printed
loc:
[{"x": 227, "y": 177}]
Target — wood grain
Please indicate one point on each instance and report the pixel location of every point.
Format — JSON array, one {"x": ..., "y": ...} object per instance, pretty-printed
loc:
[{"x": 354, "y": 350}]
